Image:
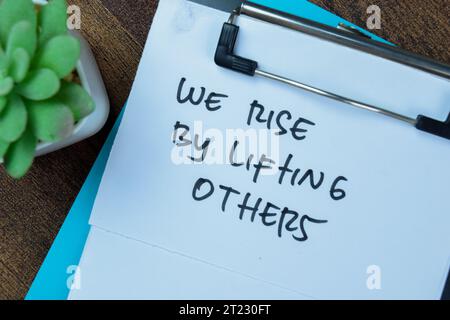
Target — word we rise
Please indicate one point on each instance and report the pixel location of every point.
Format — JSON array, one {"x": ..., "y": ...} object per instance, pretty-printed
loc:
[{"x": 282, "y": 122}]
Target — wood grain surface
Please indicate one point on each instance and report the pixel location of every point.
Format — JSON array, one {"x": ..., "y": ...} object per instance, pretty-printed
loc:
[{"x": 32, "y": 210}]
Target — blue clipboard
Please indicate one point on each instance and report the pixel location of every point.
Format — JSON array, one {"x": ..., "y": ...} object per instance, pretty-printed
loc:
[{"x": 52, "y": 280}]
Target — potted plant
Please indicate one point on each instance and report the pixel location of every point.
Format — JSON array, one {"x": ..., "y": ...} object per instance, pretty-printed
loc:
[{"x": 46, "y": 99}]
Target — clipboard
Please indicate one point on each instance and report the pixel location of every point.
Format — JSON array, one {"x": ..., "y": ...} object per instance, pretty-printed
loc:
[{"x": 40, "y": 290}]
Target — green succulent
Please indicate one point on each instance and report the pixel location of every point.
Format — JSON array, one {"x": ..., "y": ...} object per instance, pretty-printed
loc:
[{"x": 38, "y": 102}]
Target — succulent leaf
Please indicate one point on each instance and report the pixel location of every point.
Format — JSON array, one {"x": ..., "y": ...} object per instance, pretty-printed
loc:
[
  {"x": 50, "y": 119},
  {"x": 13, "y": 11},
  {"x": 3, "y": 148},
  {"x": 39, "y": 85},
  {"x": 53, "y": 20},
  {"x": 20, "y": 63},
  {"x": 59, "y": 54},
  {"x": 13, "y": 119},
  {"x": 3, "y": 102},
  {"x": 4, "y": 64},
  {"x": 77, "y": 99},
  {"x": 22, "y": 35},
  {"x": 20, "y": 155},
  {"x": 6, "y": 85}
]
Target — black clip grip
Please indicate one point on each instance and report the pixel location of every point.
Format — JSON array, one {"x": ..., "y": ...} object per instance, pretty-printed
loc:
[
  {"x": 225, "y": 56},
  {"x": 438, "y": 128}
]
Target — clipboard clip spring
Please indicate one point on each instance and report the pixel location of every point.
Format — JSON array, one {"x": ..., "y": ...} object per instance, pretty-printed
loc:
[{"x": 225, "y": 57}]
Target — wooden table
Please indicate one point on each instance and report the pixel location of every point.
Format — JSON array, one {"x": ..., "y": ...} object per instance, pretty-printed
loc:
[{"x": 32, "y": 210}]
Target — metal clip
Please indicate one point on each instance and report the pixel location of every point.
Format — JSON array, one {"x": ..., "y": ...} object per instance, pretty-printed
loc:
[
  {"x": 345, "y": 35},
  {"x": 343, "y": 26}
]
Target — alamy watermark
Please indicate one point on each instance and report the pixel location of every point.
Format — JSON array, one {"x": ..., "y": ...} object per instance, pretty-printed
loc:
[
  {"x": 74, "y": 277},
  {"x": 74, "y": 17},
  {"x": 213, "y": 146},
  {"x": 374, "y": 19},
  {"x": 373, "y": 281}
]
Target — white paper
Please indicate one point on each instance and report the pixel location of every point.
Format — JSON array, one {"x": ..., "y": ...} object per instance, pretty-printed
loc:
[
  {"x": 395, "y": 215},
  {"x": 114, "y": 267}
]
